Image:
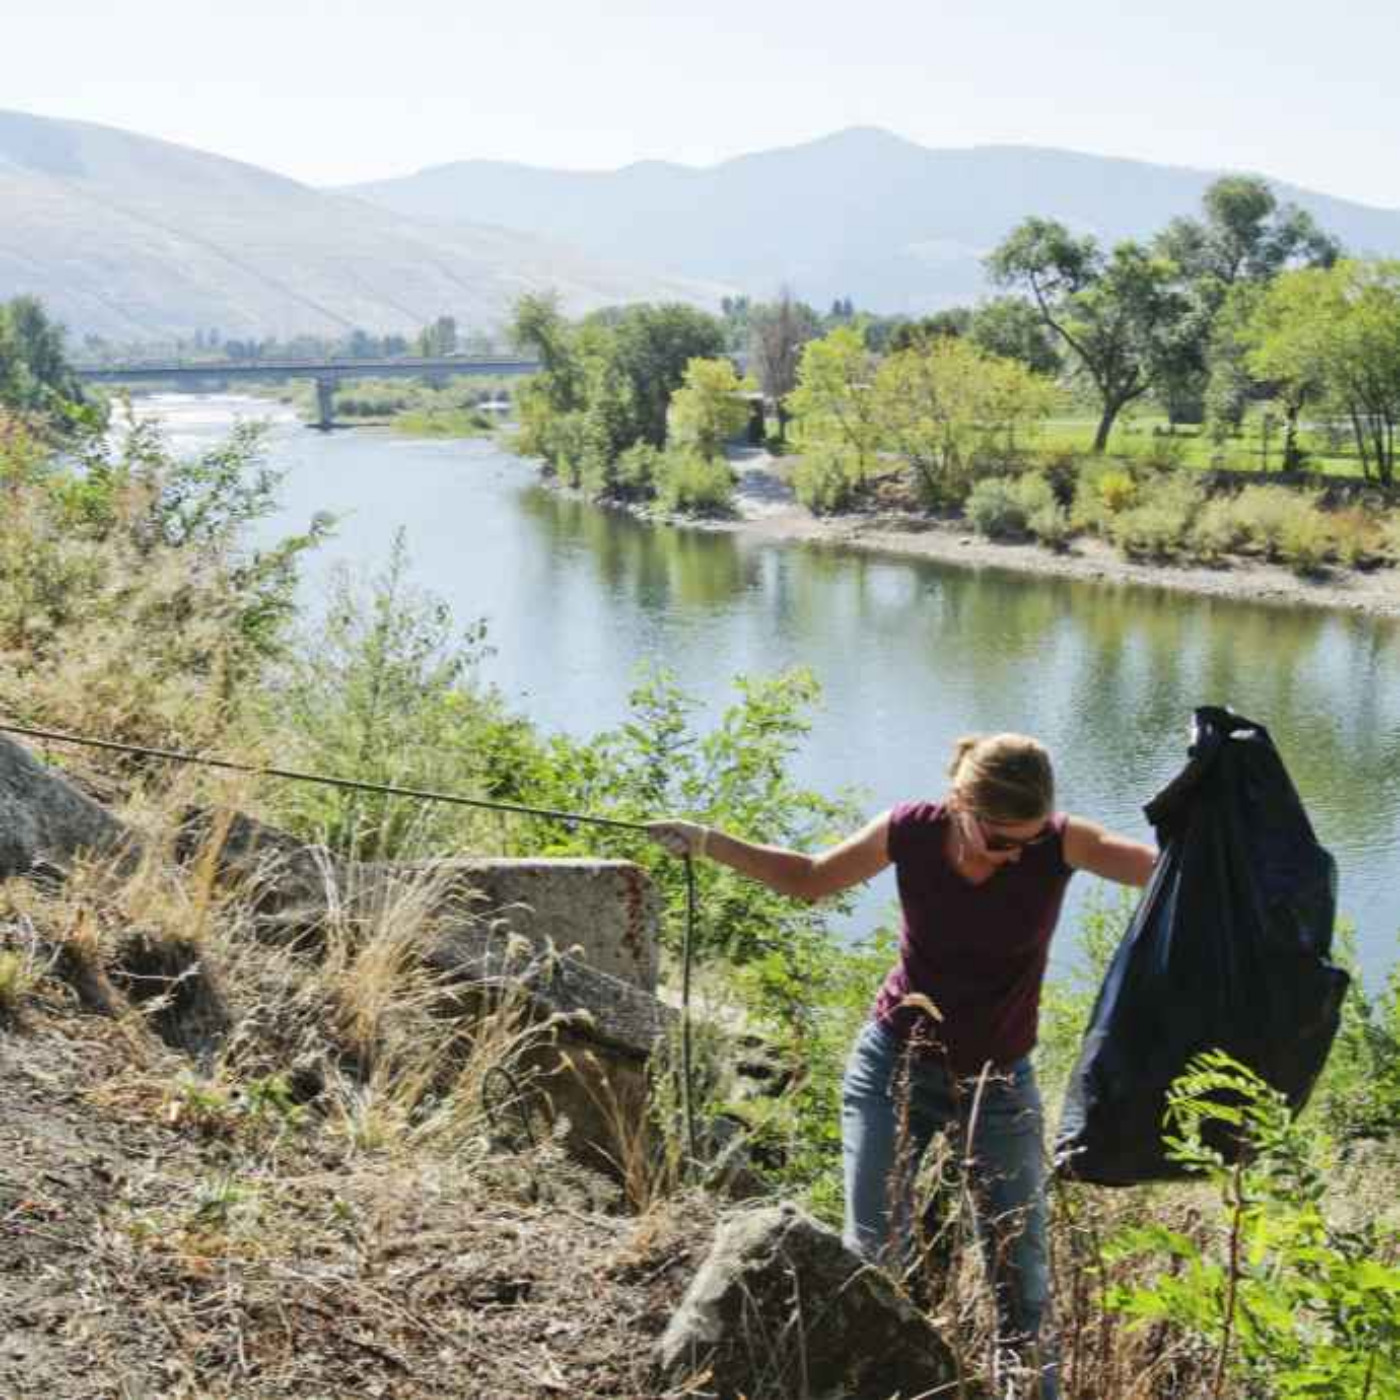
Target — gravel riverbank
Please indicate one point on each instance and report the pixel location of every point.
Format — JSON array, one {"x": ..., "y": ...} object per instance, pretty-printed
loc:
[{"x": 769, "y": 510}]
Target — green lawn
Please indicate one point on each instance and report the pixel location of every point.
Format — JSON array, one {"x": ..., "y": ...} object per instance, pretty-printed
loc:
[{"x": 1147, "y": 435}]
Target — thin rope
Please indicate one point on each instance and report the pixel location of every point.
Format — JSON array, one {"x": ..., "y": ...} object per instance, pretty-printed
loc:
[
  {"x": 296, "y": 776},
  {"x": 687, "y": 1104}
]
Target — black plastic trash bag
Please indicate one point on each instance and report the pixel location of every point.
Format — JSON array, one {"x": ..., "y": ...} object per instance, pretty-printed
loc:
[{"x": 1227, "y": 950}]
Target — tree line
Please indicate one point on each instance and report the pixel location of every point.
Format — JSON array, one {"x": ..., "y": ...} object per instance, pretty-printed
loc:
[
  {"x": 441, "y": 336},
  {"x": 37, "y": 382}
]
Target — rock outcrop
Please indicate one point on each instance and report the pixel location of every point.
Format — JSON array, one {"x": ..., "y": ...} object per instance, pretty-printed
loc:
[
  {"x": 576, "y": 938},
  {"x": 45, "y": 819}
]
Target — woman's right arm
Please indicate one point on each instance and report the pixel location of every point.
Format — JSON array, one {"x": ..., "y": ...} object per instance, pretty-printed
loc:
[{"x": 858, "y": 858}]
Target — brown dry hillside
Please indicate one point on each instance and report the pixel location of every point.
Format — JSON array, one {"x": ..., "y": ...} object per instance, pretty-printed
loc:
[{"x": 163, "y": 1234}]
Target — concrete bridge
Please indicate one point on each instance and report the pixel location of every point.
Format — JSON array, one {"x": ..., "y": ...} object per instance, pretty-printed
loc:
[{"x": 194, "y": 374}]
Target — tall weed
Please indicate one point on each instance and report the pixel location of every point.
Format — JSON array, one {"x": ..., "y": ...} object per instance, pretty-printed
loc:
[{"x": 1288, "y": 1302}]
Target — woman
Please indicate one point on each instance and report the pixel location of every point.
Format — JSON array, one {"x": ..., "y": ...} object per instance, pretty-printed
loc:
[{"x": 981, "y": 876}]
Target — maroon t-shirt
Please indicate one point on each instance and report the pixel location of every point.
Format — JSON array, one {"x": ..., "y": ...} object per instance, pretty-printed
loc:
[{"x": 977, "y": 952}]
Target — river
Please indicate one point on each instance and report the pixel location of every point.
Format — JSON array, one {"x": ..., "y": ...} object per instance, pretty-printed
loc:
[{"x": 910, "y": 654}]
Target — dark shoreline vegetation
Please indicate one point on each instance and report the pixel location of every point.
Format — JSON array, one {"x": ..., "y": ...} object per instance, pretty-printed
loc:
[{"x": 131, "y": 607}]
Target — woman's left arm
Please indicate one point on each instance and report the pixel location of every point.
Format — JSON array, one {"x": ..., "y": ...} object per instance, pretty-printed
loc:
[{"x": 1089, "y": 847}]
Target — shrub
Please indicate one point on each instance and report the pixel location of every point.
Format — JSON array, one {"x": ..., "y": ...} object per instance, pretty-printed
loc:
[
  {"x": 1034, "y": 493},
  {"x": 1102, "y": 492},
  {"x": 1165, "y": 453},
  {"x": 693, "y": 485},
  {"x": 1305, "y": 542},
  {"x": 1116, "y": 491},
  {"x": 17, "y": 977},
  {"x": 1358, "y": 1095},
  {"x": 995, "y": 509},
  {"x": 1216, "y": 529},
  {"x": 1050, "y": 525},
  {"x": 129, "y": 602},
  {"x": 1263, "y": 513},
  {"x": 1285, "y": 1302},
  {"x": 827, "y": 479},
  {"x": 1357, "y": 536},
  {"x": 443, "y": 423},
  {"x": 635, "y": 472},
  {"x": 563, "y": 446},
  {"x": 1158, "y": 527}
]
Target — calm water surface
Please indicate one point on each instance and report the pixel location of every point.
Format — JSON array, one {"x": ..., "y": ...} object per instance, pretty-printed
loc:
[{"x": 909, "y": 654}]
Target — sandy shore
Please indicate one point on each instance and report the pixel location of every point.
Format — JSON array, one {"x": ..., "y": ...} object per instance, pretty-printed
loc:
[{"x": 769, "y": 511}]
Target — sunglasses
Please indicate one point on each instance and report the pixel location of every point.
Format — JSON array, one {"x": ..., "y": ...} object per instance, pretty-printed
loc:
[{"x": 995, "y": 841}]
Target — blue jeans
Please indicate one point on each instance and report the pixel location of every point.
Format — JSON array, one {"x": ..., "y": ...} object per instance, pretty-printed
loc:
[{"x": 1008, "y": 1167}]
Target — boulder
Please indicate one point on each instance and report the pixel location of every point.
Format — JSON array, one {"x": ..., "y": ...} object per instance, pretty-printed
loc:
[
  {"x": 44, "y": 819},
  {"x": 781, "y": 1307}
]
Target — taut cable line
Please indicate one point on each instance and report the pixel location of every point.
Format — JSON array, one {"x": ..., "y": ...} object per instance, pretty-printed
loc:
[{"x": 294, "y": 775}]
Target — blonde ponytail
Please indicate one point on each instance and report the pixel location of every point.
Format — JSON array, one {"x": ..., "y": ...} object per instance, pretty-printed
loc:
[{"x": 1003, "y": 777}]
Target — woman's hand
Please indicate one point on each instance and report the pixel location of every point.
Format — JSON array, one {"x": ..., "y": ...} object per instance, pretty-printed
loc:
[
  {"x": 859, "y": 857},
  {"x": 680, "y": 838}
]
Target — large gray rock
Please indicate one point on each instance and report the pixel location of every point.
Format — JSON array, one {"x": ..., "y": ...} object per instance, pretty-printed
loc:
[
  {"x": 43, "y": 817},
  {"x": 781, "y": 1307}
]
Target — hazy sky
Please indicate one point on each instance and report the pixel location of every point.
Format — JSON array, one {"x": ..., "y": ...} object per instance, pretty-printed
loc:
[{"x": 332, "y": 91}]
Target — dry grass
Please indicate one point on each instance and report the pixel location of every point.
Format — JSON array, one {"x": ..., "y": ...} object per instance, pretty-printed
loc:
[{"x": 318, "y": 1203}]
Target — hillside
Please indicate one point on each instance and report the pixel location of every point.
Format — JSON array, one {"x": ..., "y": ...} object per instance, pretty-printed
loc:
[
  {"x": 132, "y": 238},
  {"x": 861, "y": 213}
]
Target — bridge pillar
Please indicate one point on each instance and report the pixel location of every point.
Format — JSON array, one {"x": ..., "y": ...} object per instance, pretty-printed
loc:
[{"x": 325, "y": 404}]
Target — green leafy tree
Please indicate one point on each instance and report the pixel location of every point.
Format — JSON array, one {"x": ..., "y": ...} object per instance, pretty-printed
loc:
[
  {"x": 550, "y": 403},
  {"x": 1243, "y": 239},
  {"x": 948, "y": 408},
  {"x": 1244, "y": 235},
  {"x": 737, "y": 313},
  {"x": 607, "y": 426},
  {"x": 834, "y": 402},
  {"x": 36, "y": 379},
  {"x": 440, "y": 338},
  {"x": 651, "y": 348},
  {"x": 1014, "y": 330},
  {"x": 1360, "y": 317},
  {"x": 539, "y": 328},
  {"x": 1117, "y": 314},
  {"x": 709, "y": 408},
  {"x": 947, "y": 324},
  {"x": 1284, "y": 337}
]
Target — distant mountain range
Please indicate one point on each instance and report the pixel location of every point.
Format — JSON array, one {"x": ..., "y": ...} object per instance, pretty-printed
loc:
[
  {"x": 135, "y": 239},
  {"x": 862, "y": 213}
]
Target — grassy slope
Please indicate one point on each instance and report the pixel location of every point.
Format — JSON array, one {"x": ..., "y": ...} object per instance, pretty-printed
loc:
[{"x": 168, "y": 1229}]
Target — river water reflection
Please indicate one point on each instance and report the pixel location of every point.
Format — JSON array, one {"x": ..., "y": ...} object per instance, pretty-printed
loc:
[{"x": 910, "y": 654}]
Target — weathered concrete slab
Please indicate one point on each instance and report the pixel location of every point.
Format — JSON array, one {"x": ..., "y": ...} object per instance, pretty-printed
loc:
[
  {"x": 43, "y": 817},
  {"x": 607, "y": 909},
  {"x": 606, "y": 1009}
]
